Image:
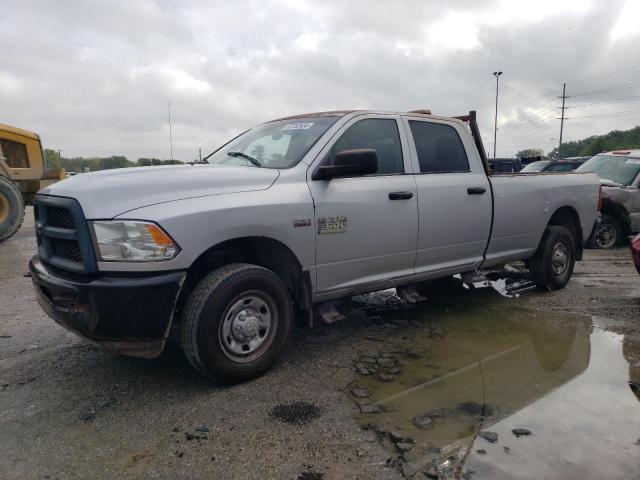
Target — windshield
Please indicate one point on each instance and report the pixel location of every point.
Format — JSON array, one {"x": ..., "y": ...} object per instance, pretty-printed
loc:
[
  {"x": 535, "y": 167},
  {"x": 620, "y": 170},
  {"x": 279, "y": 144}
]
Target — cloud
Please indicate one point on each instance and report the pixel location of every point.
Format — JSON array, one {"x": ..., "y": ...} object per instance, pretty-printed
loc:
[{"x": 95, "y": 79}]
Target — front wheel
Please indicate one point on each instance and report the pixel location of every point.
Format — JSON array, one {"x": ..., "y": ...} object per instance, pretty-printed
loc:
[
  {"x": 236, "y": 322},
  {"x": 11, "y": 209},
  {"x": 608, "y": 234},
  {"x": 552, "y": 264}
]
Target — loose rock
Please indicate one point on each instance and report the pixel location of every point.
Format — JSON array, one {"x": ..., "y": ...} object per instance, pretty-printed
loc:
[
  {"x": 404, "y": 447},
  {"x": 368, "y": 408},
  {"x": 481, "y": 451},
  {"x": 384, "y": 377},
  {"x": 491, "y": 437},
  {"x": 521, "y": 432},
  {"x": 360, "y": 393},
  {"x": 422, "y": 421},
  {"x": 385, "y": 362}
]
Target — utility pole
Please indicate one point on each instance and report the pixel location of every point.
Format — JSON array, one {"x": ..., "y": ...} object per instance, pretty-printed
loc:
[
  {"x": 200, "y": 155},
  {"x": 495, "y": 124},
  {"x": 170, "y": 135},
  {"x": 562, "y": 108}
]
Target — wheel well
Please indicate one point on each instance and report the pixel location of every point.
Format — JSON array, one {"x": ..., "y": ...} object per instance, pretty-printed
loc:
[
  {"x": 262, "y": 251},
  {"x": 609, "y": 207},
  {"x": 568, "y": 217}
]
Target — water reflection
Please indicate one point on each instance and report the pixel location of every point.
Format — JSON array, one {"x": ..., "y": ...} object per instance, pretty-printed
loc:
[{"x": 485, "y": 367}]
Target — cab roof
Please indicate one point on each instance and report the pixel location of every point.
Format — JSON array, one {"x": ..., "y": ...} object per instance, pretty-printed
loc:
[
  {"x": 18, "y": 131},
  {"x": 342, "y": 113}
]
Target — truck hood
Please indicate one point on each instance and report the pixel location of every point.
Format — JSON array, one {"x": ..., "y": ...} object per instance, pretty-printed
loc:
[{"x": 109, "y": 193}]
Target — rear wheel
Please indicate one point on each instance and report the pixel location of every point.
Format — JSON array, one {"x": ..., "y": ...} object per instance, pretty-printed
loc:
[
  {"x": 552, "y": 264},
  {"x": 608, "y": 234},
  {"x": 11, "y": 209},
  {"x": 236, "y": 322}
]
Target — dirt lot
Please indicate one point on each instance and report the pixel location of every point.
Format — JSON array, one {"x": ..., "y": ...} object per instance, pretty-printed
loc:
[{"x": 427, "y": 391}]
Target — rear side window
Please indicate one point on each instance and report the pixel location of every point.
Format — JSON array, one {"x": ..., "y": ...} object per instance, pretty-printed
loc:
[
  {"x": 380, "y": 134},
  {"x": 15, "y": 153},
  {"x": 560, "y": 167},
  {"x": 439, "y": 148}
]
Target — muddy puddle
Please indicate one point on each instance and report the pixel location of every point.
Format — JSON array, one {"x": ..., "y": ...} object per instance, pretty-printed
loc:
[{"x": 466, "y": 387}]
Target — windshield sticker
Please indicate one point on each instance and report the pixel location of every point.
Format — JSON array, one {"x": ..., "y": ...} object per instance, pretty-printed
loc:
[
  {"x": 298, "y": 126},
  {"x": 635, "y": 161}
]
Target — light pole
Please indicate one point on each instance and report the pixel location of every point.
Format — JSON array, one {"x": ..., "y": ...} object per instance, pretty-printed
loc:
[{"x": 495, "y": 124}]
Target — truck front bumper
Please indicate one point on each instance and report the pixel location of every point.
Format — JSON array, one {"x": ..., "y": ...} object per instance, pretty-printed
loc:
[{"x": 128, "y": 314}]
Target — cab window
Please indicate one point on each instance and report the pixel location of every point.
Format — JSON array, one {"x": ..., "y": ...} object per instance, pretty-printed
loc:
[
  {"x": 560, "y": 167},
  {"x": 439, "y": 148},
  {"x": 15, "y": 153},
  {"x": 380, "y": 134}
]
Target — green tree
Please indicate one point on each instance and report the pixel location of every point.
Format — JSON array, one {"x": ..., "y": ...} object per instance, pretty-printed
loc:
[
  {"x": 51, "y": 158},
  {"x": 530, "y": 152},
  {"x": 614, "y": 140}
]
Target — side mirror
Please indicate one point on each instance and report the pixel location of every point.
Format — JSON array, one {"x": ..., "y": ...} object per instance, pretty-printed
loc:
[{"x": 349, "y": 163}]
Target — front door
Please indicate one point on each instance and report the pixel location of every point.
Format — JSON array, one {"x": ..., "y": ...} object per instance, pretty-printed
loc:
[{"x": 366, "y": 226}]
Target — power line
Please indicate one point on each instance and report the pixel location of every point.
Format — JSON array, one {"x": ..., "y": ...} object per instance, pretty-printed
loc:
[
  {"x": 607, "y": 90},
  {"x": 608, "y": 102},
  {"x": 612, "y": 114}
]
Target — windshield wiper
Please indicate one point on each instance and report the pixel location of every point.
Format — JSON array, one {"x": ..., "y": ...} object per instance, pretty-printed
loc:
[{"x": 246, "y": 157}]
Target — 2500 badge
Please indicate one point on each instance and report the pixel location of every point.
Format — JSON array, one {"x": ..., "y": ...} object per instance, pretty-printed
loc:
[{"x": 332, "y": 225}]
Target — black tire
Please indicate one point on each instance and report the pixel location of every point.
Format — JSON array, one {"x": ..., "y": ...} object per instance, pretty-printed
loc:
[
  {"x": 214, "y": 346},
  {"x": 552, "y": 264},
  {"x": 608, "y": 234},
  {"x": 11, "y": 208}
]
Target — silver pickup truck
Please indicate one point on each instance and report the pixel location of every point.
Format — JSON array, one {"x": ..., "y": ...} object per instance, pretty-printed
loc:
[{"x": 291, "y": 214}]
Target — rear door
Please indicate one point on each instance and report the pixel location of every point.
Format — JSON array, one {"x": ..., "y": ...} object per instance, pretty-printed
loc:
[
  {"x": 454, "y": 196},
  {"x": 367, "y": 226}
]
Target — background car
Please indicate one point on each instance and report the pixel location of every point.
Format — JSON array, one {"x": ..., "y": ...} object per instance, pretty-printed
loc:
[
  {"x": 505, "y": 165},
  {"x": 619, "y": 173},
  {"x": 562, "y": 165}
]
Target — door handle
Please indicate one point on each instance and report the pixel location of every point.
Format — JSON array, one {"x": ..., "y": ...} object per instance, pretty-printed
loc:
[
  {"x": 400, "y": 195},
  {"x": 476, "y": 190}
]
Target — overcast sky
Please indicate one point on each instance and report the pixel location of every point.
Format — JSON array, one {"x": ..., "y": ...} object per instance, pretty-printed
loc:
[{"x": 93, "y": 78}]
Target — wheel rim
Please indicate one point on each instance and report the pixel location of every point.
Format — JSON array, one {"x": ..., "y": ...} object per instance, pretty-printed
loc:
[
  {"x": 560, "y": 258},
  {"x": 248, "y": 326},
  {"x": 5, "y": 208},
  {"x": 606, "y": 235}
]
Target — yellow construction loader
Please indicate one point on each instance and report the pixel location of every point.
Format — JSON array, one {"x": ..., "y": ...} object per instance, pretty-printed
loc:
[{"x": 22, "y": 174}]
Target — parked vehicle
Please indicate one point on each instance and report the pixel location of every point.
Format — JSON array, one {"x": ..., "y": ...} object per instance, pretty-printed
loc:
[
  {"x": 619, "y": 172},
  {"x": 635, "y": 251},
  {"x": 505, "y": 165},
  {"x": 291, "y": 214},
  {"x": 22, "y": 174},
  {"x": 562, "y": 165}
]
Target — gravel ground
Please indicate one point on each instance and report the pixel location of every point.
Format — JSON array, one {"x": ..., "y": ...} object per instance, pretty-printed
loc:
[{"x": 71, "y": 410}]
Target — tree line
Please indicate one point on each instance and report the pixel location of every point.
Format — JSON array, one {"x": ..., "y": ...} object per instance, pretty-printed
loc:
[
  {"x": 81, "y": 164},
  {"x": 587, "y": 147}
]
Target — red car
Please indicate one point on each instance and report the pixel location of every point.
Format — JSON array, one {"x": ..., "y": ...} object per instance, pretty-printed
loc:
[{"x": 635, "y": 251}]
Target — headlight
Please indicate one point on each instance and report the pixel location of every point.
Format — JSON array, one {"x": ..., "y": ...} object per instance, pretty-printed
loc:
[{"x": 132, "y": 241}]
